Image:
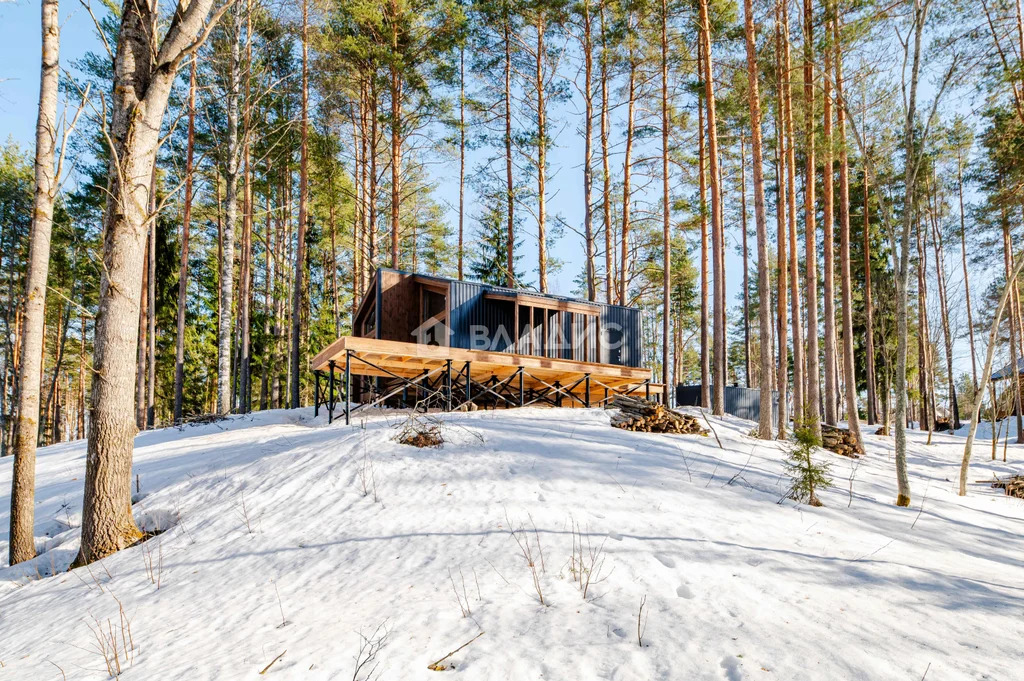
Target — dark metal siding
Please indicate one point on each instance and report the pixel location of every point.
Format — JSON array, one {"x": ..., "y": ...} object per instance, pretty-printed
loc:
[
  {"x": 620, "y": 336},
  {"x": 742, "y": 402},
  {"x": 469, "y": 308}
]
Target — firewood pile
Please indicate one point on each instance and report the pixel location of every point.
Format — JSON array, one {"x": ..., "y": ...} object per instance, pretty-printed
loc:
[
  {"x": 641, "y": 415},
  {"x": 839, "y": 440},
  {"x": 1013, "y": 485}
]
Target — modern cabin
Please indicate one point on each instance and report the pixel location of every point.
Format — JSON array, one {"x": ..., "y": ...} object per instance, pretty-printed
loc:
[
  {"x": 432, "y": 341},
  {"x": 429, "y": 310}
]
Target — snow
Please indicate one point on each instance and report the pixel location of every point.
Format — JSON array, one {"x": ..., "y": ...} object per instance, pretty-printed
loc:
[
  {"x": 272, "y": 546},
  {"x": 1005, "y": 428}
]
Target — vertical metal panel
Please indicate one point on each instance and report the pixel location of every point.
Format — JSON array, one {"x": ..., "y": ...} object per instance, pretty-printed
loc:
[
  {"x": 620, "y": 342},
  {"x": 742, "y": 402},
  {"x": 469, "y": 310}
]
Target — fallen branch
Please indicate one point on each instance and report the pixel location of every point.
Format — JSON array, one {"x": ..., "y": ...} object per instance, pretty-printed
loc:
[
  {"x": 264, "y": 670},
  {"x": 438, "y": 667}
]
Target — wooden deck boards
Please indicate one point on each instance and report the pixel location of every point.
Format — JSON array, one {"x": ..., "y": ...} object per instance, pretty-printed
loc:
[{"x": 412, "y": 359}]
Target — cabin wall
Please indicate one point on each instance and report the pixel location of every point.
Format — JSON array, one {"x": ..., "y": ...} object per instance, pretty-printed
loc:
[
  {"x": 620, "y": 336},
  {"x": 470, "y": 309},
  {"x": 397, "y": 311},
  {"x": 398, "y": 306}
]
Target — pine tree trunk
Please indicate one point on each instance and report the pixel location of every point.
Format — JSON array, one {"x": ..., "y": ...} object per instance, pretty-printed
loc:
[
  {"x": 510, "y": 262},
  {"x": 831, "y": 398},
  {"x": 587, "y": 47},
  {"x": 846, "y": 282},
  {"x": 22, "y": 537},
  {"x": 1014, "y": 328},
  {"x": 462, "y": 157},
  {"x": 746, "y": 261},
  {"x": 717, "y": 232},
  {"x": 186, "y": 223},
  {"x": 396, "y": 135},
  {"x": 606, "y": 194},
  {"x": 665, "y": 206},
  {"x": 140, "y": 361},
  {"x": 782, "y": 372},
  {"x": 151, "y": 308},
  {"x": 542, "y": 248},
  {"x": 812, "y": 413},
  {"x": 940, "y": 274},
  {"x": 764, "y": 428},
  {"x": 869, "y": 328},
  {"x": 140, "y": 92},
  {"x": 300, "y": 244},
  {"x": 705, "y": 340},
  {"x": 799, "y": 401},
  {"x": 627, "y": 167},
  {"x": 967, "y": 279}
]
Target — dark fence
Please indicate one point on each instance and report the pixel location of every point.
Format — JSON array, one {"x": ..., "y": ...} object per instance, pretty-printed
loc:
[{"x": 742, "y": 402}]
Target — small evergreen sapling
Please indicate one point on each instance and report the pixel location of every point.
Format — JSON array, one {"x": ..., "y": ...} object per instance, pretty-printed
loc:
[{"x": 808, "y": 475}]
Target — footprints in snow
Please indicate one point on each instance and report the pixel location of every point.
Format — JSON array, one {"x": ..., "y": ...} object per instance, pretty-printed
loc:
[
  {"x": 683, "y": 590},
  {"x": 731, "y": 666}
]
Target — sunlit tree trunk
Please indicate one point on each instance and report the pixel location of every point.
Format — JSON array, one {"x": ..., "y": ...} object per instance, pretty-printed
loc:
[
  {"x": 831, "y": 398},
  {"x": 794, "y": 273},
  {"x": 717, "y": 232},
  {"x": 764, "y": 428},
  {"x": 300, "y": 244},
  {"x": 226, "y": 328},
  {"x": 141, "y": 87},
  {"x": 813, "y": 398},
  {"x": 22, "y": 545},
  {"x": 846, "y": 283},
  {"x": 705, "y": 334},
  {"x": 782, "y": 371},
  {"x": 186, "y": 224}
]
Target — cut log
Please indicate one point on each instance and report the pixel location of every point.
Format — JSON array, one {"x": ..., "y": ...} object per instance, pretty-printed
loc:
[
  {"x": 641, "y": 415},
  {"x": 839, "y": 440}
]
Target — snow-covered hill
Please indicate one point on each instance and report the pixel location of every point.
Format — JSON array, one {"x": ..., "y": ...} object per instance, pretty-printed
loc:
[{"x": 289, "y": 539}]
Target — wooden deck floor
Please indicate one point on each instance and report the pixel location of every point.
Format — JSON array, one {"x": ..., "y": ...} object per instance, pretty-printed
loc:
[{"x": 372, "y": 357}]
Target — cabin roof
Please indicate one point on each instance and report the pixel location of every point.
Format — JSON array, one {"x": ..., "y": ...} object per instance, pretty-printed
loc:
[{"x": 504, "y": 290}]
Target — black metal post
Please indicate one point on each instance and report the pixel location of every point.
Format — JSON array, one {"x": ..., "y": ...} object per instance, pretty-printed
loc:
[
  {"x": 586, "y": 392},
  {"x": 316, "y": 393},
  {"x": 520, "y": 386},
  {"x": 469, "y": 383},
  {"x": 330, "y": 392},
  {"x": 448, "y": 385},
  {"x": 647, "y": 389},
  {"x": 348, "y": 386}
]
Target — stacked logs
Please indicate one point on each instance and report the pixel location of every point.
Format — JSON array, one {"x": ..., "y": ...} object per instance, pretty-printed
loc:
[
  {"x": 839, "y": 440},
  {"x": 1013, "y": 485},
  {"x": 650, "y": 417}
]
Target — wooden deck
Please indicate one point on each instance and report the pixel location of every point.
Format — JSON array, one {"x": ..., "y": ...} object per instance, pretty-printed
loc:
[{"x": 508, "y": 378}]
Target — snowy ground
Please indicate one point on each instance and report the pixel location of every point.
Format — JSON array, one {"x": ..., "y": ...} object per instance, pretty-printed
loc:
[{"x": 271, "y": 546}]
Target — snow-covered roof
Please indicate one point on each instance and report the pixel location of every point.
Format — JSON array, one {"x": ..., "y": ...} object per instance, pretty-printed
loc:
[{"x": 1007, "y": 371}]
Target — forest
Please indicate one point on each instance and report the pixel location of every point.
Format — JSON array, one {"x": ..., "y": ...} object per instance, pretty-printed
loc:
[{"x": 211, "y": 189}]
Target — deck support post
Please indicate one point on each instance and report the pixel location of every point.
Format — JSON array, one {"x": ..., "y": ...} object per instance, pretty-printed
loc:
[
  {"x": 520, "y": 386},
  {"x": 647, "y": 389},
  {"x": 448, "y": 385},
  {"x": 558, "y": 394},
  {"x": 330, "y": 390},
  {"x": 469, "y": 383},
  {"x": 316, "y": 393},
  {"x": 348, "y": 387},
  {"x": 586, "y": 391}
]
